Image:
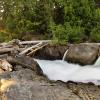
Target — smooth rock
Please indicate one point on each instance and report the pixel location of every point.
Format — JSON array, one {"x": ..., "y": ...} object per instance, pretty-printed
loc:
[
  {"x": 51, "y": 52},
  {"x": 30, "y": 86},
  {"x": 82, "y": 54}
]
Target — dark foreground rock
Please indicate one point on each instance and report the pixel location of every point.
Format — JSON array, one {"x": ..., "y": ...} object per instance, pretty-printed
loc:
[
  {"x": 51, "y": 52},
  {"x": 25, "y": 62},
  {"x": 30, "y": 86},
  {"x": 82, "y": 53}
]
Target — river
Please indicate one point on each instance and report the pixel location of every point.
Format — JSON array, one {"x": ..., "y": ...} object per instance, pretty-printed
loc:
[{"x": 64, "y": 71}]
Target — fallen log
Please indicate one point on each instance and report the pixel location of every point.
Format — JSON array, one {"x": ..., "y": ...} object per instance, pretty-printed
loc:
[
  {"x": 33, "y": 42},
  {"x": 10, "y": 50},
  {"x": 5, "y": 45},
  {"x": 6, "y": 50},
  {"x": 96, "y": 44},
  {"x": 30, "y": 48},
  {"x": 33, "y": 51}
]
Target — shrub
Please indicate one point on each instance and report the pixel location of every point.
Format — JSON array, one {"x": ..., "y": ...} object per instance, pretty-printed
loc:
[
  {"x": 59, "y": 34},
  {"x": 74, "y": 33},
  {"x": 95, "y": 34},
  {"x": 4, "y": 37}
]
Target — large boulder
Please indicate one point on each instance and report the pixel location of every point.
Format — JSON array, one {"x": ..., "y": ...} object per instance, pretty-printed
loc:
[
  {"x": 83, "y": 54},
  {"x": 26, "y": 85},
  {"x": 51, "y": 52},
  {"x": 25, "y": 62}
]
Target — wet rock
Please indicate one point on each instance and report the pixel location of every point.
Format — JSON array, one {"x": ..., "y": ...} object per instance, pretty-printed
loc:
[
  {"x": 26, "y": 62},
  {"x": 51, "y": 52},
  {"x": 30, "y": 86},
  {"x": 22, "y": 74},
  {"x": 18, "y": 67},
  {"x": 85, "y": 91},
  {"x": 82, "y": 53}
]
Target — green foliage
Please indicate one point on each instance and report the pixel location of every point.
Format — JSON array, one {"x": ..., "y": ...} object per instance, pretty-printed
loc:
[
  {"x": 67, "y": 33},
  {"x": 25, "y": 16},
  {"x": 61, "y": 20},
  {"x": 75, "y": 34},
  {"x": 59, "y": 34},
  {"x": 95, "y": 34},
  {"x": 80, "y": 18},
  {"x": 4, "y": 37}
]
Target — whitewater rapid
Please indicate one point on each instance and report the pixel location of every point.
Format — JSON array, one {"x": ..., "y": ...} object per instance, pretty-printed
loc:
[{"x": 64, "y": 71}]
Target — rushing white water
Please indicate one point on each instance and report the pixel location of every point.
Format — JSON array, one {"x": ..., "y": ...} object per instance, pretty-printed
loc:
[{"x": 64, "y": 71}]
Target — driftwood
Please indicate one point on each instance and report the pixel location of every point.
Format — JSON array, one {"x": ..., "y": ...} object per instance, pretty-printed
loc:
[
  {"x": 10, "y": 50},
  {"x": 15, "y": 53},
  {"x": 6, "y": 50},
  {"x": 33, "y": 42},
  {"x": 5, "y": 45},
  {"x": 4, "y": 65},
  {"x": 34, "y": 50},
  {"x": 17, "y": 44},
  {"x": 97, "y": 44},
  {"x": 30, "y": 48}
]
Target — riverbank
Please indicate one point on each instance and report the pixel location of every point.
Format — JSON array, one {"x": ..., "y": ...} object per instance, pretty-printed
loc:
[{"x": 22, "y": 78}]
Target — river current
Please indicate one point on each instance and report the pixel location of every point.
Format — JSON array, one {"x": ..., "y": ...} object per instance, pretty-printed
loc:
[{"x": 64, "y": 71}]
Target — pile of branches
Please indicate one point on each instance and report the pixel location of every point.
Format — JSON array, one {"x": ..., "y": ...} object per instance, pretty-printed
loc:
[{"x": 19, "y": 52}]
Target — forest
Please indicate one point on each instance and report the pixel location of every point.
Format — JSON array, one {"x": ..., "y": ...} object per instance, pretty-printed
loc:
[{"x": 64, "y": 21}]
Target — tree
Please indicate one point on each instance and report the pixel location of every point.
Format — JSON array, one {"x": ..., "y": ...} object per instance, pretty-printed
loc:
[{"x": 80, "y": 17}]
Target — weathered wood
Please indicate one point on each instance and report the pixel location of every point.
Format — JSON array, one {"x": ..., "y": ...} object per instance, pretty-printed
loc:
[
  {"x": 5, "y": 65},
  {"x": 10, "y": 50},
  {"x": 34, "y": 46},
  {"x": 5, "y": 45},
  {"x": 96, "y": 44},
  {"x": 33, "y": 51},
  {"x": 91, "y": 43},
  {"x": 6, "y": 50},
  {"x": 33, "y": 42}
]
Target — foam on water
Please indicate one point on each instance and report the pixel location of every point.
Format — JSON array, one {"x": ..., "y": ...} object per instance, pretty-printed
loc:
[{"x": 64, "y": 71}]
